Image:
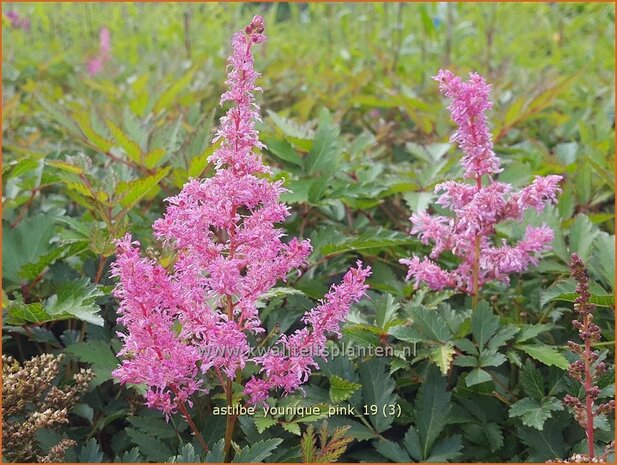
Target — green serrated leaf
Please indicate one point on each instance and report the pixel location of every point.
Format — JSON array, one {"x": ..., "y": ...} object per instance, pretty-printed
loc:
[
  {"x": 199, "y": 163},
  {"x": 477, "y": 376},
  {"x": 446, "y": 449},
  {"x": 283, "y": 150},
  {"x": 19, "y": 313},
  {"x": 418, "y": 202},
  {"x": 173, "y": 90},
  {"x": 131, "y": 456},
  {"x": 484, "y": 323},
  {"x": 582, "y": 235},
  {"x": 99, "y": 354},
  {"x": 532, "y": 381},
  {"x": 491, "y": 358},
  {"x": 76, "y": 298},
  {"x": 531, "y": 331},
  {"x": 412, "y": 444},
  {"x": 432, "y": 409},
  {"x": 566, "y": 291},
  {"x": 293, "y": 428},
  {"x": 373, "y": 238},
  {"x": 325, "y": 153},
  {"x": 392, "y": 451},
  {"x": 131, "y": 148},
  {"x": 187, "y": 455},
  {"x": 494, "y": 436},
  {"x": 90, "y": 452},
  {"x": 602, "y": 263},
  {"x": 25, "y": 243},
  {"x": 294, "y": 131},
  {"x": 534, "y": 413},
  {"x": 154, "y": 449},
  {"x": 545, "y": 444},
  {"x": 385, "y": 310},
  {"x": 262, "y": 423},
  {"x": 257, "y": 452},
  {"x": 341, "y": 389},
  {"x": 546, "y": 354},
  {"x": 426, "y": 324},
  {"x": 130, "y": 193},
  {"x": 153, "y": 158},
  {"x": 217, "y": 453},
  {"x": 377, "y": 389},
  {"x": 85, "y": 125},
  {"x": 442, "y": 356},
  {"x": 30, "y": 271},
  {"x": 153, "y": 426}
]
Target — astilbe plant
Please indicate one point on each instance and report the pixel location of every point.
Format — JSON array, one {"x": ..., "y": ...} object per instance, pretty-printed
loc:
[
  {"x": 194, "y": 317},
  {"x": 478, "y": 206},
  {"x": 586, "y": 369},
  {"x": 31, "y": 402}
]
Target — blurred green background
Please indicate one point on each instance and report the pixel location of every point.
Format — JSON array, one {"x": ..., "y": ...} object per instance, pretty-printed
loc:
[
  {"x": 551, "y": 66},
  {"x": 351, "y": 58}
]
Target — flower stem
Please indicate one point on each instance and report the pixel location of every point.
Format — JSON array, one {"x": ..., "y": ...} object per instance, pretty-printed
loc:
[
  {"x": 99, "y": 271},
  {"x": 231, "y": 419},
  {"x": 588, "y": 399},
  {"x": 189, "y": 420},
  {"x": 475, "y": 277},
  {"x": 231, "y": 422}
]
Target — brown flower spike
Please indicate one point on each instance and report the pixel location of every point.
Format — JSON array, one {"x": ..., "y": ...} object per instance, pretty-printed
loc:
[{"x": 586, "y": 370}]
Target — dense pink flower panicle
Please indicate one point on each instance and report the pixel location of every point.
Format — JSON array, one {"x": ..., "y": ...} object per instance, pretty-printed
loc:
[
  {"x": 97, "y": 63},
  {"x": 152, "y": 352},
  {"x": 469, "y": 101},
  {"x": 194, "y": 315},
  {"x": 478, "y": 207},
  {"x": 289, "y": 364}
]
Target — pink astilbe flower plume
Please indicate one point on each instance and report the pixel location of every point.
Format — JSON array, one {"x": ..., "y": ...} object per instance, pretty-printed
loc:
[
  {"x": 478, "y": 207},
  {"x": 97, "y": 63},
  {"x": 290, "y": 364},
  {"x": 17, "y": 21},
  {"x": 194, "y": 317}
]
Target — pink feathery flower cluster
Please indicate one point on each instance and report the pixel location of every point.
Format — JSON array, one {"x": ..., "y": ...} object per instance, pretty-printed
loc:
[
  {"x": 196, "y": 314},
  {"x": 290, "y": 364},
  {"x": 469, "y": 102},
  {"x": 17, "y": 21},
  {"x": 478, "y": 207},
  {"x": 97, "y": 63}
]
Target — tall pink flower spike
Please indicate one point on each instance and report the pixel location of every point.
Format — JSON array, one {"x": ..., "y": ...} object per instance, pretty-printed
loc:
[
  {"x": 96, "y": 64},
  {"x": 478, "y": 207},
  {"x": 195, "y": 316}
]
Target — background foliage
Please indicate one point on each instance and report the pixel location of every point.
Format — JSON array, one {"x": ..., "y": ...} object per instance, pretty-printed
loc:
[{"x": 354, "y": 124}]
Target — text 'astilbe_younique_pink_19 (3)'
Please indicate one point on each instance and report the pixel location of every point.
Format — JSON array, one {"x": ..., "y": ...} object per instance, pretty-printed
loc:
[
  {"x": 194, "y": 317},
  {"x": 479, "y": 205}
]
